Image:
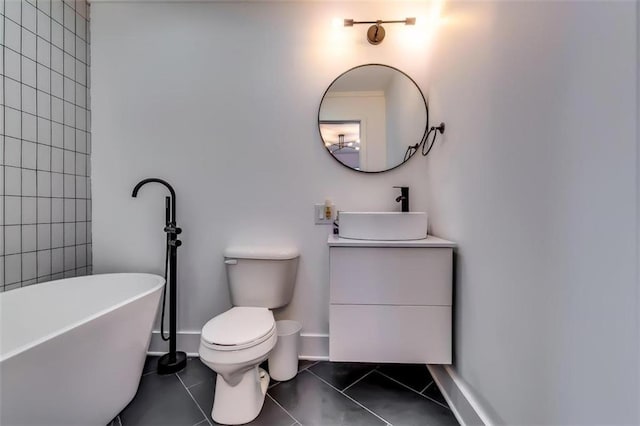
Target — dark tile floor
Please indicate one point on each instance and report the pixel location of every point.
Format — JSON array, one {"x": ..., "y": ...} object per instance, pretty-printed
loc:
[{"x": 323, "y": 394}]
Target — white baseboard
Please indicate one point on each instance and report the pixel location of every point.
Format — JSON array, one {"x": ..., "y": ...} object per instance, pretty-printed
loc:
[
  {"x": 313, "y": 347},
  {"x": 462, "y": 402},
  {"x": 187, "y": 341}
]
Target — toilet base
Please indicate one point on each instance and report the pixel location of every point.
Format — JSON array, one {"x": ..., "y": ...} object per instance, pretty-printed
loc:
[{"x": 240, "y": 404}]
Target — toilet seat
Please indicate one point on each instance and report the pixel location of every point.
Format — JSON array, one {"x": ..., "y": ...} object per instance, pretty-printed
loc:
[{"x": 238, "y": 328}]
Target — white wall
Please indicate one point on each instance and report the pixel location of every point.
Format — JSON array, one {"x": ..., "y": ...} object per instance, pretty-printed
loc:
[
  {"x": 221, "y": 100},
  {"x": 535, "y": 178}
]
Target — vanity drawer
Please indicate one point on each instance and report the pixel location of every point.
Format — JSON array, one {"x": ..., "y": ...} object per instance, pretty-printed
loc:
[
  {"x": 400, "y": 334},
  {"x": 391, "y": 276}
]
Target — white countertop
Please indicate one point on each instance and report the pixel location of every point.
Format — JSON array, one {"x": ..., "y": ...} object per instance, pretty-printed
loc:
[{"x": 430, "y": 241}]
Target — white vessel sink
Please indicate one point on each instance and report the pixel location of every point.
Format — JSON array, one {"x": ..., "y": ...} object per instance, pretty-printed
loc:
[{"x": 383, "y": 226}]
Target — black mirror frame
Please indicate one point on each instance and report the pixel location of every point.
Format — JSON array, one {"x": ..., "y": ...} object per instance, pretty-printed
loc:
[{"x": 426, "y": 127}]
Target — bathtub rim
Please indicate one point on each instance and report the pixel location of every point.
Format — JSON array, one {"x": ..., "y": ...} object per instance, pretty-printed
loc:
[{"x": 36, "y": 342}]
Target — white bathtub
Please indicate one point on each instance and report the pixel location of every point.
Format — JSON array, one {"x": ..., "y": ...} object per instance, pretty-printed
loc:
[{"x": 72, "y": 350}]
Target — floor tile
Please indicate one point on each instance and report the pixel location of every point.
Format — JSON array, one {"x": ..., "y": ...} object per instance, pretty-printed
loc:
[
  {"x": 302, "y": 365},
  {"x": 161, "y": 400},
  {"x": 313, "y": 402},
  {"x": 164, "y": 399},
  {"x": 416, "y": 376},
  {"x": 195, "y": 372},
  {"x": 203, "y": 394},
  {"x": 397, "y": 404},
  {"x": 150, "y": 364},
  {"x": 271, "y": 414},
  {"x": 434, "y": 393},
  {"x": 342, "y": 374}
]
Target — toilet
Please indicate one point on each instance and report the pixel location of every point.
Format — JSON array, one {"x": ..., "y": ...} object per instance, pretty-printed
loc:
[{"x": 234, "y": 343}]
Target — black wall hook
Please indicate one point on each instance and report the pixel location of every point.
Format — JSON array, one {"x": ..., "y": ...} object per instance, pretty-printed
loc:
[{"x": 426, "y": 148}]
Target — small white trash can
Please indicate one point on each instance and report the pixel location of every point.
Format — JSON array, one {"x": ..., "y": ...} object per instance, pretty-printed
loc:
[{"x": 283, "y": 361}]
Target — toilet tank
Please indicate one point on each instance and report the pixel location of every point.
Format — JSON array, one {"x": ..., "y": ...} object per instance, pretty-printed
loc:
[{"x": 262, "y": 276}]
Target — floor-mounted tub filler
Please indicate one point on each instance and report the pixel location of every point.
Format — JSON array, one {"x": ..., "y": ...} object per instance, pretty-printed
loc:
[{"x": 72, "y": 351}]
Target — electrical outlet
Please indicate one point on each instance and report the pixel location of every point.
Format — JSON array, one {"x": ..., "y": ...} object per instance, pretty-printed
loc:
[{"x": 319, "y": 215}]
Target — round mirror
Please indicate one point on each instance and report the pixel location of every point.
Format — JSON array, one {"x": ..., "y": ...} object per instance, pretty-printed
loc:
[{"x": 371, "y": 116}]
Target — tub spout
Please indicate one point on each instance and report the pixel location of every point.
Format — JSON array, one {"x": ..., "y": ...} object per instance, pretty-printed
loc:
[{"x": 143, "y": 182}]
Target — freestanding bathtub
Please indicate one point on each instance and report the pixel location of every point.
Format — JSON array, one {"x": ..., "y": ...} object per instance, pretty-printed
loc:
[{"x": 72, "y": 350}]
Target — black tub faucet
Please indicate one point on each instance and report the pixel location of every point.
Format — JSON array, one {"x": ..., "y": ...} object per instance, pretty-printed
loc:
[
  {"x": 404, "y": 197},
  {"x": 175, "y": 360}
]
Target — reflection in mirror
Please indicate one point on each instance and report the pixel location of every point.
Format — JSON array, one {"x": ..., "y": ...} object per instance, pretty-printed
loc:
[
  {"x": 370, "y": 115},
  {"x": 342, "y": 139}
]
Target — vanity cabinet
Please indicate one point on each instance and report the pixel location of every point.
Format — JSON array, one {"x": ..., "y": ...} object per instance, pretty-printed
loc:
[{"x": 390, "y": 301}]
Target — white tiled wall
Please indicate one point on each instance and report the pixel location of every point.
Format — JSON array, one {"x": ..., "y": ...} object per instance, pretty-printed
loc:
[{"x": 45, "y": 141}]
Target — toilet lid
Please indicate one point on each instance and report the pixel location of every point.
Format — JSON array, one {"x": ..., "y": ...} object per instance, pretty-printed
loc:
[{"x": 238, "y": 326}]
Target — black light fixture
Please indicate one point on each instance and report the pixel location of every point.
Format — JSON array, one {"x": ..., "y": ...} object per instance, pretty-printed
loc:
[{"x": 376, "y": 32}]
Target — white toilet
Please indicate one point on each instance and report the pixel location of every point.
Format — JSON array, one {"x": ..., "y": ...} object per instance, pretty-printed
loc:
[{"x": 235, "y": 342}]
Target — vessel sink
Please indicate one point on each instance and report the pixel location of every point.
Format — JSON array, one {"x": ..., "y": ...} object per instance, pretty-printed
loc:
[{"x": 384, "y": 226}]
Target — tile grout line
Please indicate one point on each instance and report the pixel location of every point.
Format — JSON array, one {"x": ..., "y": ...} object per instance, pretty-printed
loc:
[
  {"x": 299, "y": 371},
  {"x": 51, "y": 150},
  {"x": 38, "y": 137},
  {"x": 345, "y": 389},
  {"x": 4, "y": 270},
  {"x": 61, "y": 74},
  {"x": 51, "y": 18},
  {"x": 273, "y": 385},
  {"x": 67, "y": 50},
  {"x": 414, "y": 391},
  {"x": 426, "y": 387},
  {"x": 308, "y": 366},
  {"x": 63, "y": 123},
  {"x": 295, "y": 421},
  {"x": 193, "y": 399},
  {"x": 64, "y": 142},
  {"x": 21, "y": 144},
  {"x": 347, "y": 396}
]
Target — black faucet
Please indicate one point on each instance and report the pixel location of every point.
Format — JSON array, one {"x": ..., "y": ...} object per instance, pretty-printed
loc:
[
  {"x": 173, "y": 361},
  {"x": 404, "y": 197}
]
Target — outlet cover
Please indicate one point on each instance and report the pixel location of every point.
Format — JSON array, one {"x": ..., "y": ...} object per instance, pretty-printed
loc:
[{"x": 319, "y": 216}]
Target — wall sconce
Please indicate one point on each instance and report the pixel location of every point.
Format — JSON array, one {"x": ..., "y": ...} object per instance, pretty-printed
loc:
[{"x": 376, "y": 32}]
